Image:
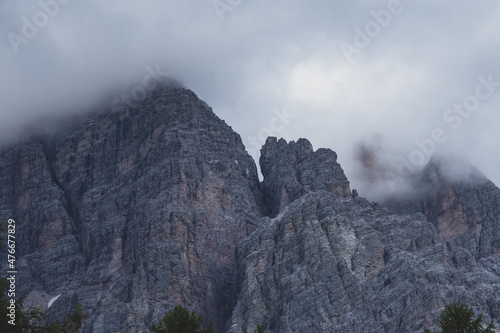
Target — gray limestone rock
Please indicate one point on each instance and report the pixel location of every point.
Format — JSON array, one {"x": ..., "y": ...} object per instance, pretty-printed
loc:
[
  {"x": 460, "y": 201},
  {"x": 133, "y": 211},
  {"x": 293, "y": 169},
  {"x": 331, "y": 264}
]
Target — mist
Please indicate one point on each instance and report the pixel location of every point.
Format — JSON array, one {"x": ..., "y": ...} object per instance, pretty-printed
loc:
[{"x": 421, "y": 76}]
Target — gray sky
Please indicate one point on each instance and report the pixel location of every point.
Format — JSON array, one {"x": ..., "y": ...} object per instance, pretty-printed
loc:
[{"x": 335, "y": 72}]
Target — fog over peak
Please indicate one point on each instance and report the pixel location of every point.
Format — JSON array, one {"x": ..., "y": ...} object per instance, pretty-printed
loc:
[
  {"x": 383, "y": 173},
  {"x": 453, "y": 169},
  {"x": 422, "y": 75}
]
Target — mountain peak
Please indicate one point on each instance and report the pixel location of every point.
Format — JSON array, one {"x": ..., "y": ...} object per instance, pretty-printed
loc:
[
  {"x": 450, "y": 169},
  {"x": 293, "y": 169},
  {"x": 279, "y": 152},
  {"x": 135, "y": 204}
]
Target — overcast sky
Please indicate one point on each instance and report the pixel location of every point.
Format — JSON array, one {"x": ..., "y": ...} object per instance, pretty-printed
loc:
[{"x": 335, "y": 72}]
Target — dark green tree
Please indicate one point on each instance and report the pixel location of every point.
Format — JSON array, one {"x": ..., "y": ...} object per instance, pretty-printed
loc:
[
  {"x": 181, "y": 321},
  {"x": 261, "y": 328},
  {"x": 74, "y": 321},
  {"x": 459, "y": 318}
]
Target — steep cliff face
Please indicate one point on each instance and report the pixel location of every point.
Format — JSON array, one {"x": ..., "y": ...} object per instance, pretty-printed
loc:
[
  {"x": 138, "y": 210},
  {"x": 464, "y": 207},
  {"x": 134, "y": 212}
]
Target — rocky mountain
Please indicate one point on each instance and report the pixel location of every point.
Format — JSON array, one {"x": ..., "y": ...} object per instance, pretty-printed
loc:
[
  {"x": 133, "y": 211},
  {"x": 331, "y": 263}
]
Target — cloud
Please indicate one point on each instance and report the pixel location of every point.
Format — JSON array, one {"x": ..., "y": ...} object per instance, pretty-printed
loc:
[{"x": 262, "y": 57}]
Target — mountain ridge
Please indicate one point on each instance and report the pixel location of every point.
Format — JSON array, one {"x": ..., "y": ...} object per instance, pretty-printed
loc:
[{"x": 139, "y": 209}]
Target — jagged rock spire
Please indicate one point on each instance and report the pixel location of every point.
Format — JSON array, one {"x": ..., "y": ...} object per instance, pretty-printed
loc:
[{"x": 293, "y": 169}]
